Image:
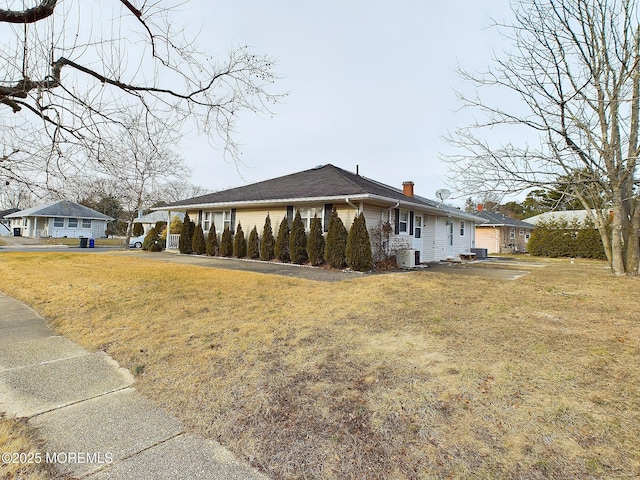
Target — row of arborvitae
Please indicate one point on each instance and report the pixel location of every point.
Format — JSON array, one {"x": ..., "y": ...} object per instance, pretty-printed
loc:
[
  {"x": 341, "y": 248},
  {"x": 558, "y": 238}
]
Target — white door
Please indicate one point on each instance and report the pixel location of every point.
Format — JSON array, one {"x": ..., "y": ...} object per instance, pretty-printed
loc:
[
  {"x": 450, "y": 239},
  {"x": 417, "y": 234}
]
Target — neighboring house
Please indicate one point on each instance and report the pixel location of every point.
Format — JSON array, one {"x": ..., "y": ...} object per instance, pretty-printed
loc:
[
  {"x": 5, "y": 223},
  {"x": 500, "y": 234},
  {"x": 434, "y": 230},
  {"x": 149, "y": 220},
  {"x": 59, "y": 219},
  {"x": 569, "y": 216}
]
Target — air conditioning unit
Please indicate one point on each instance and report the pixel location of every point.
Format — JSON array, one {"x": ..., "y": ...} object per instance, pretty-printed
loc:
[{"x": 406, "y": 258}]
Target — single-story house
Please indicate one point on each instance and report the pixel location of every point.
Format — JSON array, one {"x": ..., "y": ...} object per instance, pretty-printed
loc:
[
  {"x": 5, "y": 223},
  {"x": 569, "y": 216},
  {"x": 500, "y": 234},
  {"x": 419, "y": 229},
  {"x": 150, "y": 219},
  {"x": 59, "y": 219}
]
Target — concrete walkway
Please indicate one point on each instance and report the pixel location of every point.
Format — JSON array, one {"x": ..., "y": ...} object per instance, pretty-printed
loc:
[{"x": 93, "y": 422}]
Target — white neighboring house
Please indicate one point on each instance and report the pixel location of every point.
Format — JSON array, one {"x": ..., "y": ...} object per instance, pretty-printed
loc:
[
  {"x": 149, "y": 220},
  {"x": 5, "y": 223},
  {"x": 57, "y": 220}
]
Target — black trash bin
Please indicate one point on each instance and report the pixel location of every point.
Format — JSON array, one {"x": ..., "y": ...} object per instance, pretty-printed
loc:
[
  {"x": 83, "y": 242},
  {"x": 17, "y": 232}
]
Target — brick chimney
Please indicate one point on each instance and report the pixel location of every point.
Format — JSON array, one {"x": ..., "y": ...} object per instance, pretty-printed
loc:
[
  {"x": 480, "y": 207},
  {"x": 407, "y": 189}
]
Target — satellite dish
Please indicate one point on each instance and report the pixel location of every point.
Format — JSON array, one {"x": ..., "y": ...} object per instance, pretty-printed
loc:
[{"x": 443, "y": 194}]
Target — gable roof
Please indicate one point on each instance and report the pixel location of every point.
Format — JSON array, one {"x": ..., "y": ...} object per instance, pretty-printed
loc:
[
  {"x": 494, "y": 219},
  {"x": 325, "y": 182},
  {"x": 62, "y": 208},
  {"x": 5, "y": 213}
]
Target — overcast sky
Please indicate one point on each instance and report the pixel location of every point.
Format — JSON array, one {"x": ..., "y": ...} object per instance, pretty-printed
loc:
[{"x": 371, "y": 83}]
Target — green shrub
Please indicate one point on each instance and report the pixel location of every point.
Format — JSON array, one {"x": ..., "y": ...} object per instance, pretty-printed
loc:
[
  {"x": 358, "y": 251},
  {"x": 150, "y": 239},
  {"x": 138, "y": 229},
  {"x": 253, "y": 246},
  {"x": 226, "y": 242},
  {"x": 298, "y": 240},
  {"x": 176, "y": 225},
  {"x": 315, "y": 242},
  {"x": 267, "y": 245},
  {"x": 186, "y": 235},
  {"x": 557, "y": 238},
  {"x": 336, "y": 244},
  {"x": 239, "y": 243},
  {"x": 213, "y": 247},
  {"x": 160, "y": 226},
  {"x": 281, "y": 248},
  {"x": 198, "y": 245}
]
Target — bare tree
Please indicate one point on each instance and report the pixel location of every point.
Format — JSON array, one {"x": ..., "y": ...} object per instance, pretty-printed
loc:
[
  {"x": 70, "y": 68},
  {"x": 572, "y": 79}
]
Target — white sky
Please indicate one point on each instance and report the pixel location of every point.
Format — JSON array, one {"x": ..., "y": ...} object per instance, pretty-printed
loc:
[{"x": 371, "y": 83}]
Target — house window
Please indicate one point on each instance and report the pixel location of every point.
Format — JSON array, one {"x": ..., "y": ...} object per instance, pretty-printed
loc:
[
  {"x": 527, "y": 236},
  {"x": 512, "y": 234},
  {"x": 462, "y": 229},
  {"x": 58, "y": 222},
  {"x": 307, "y": 215},
  {"x": 24, "y": 222},
  {"x": 404, "y": 221},
  {"x": 73, "y": 223},
  {"x": 221, "y": 220},
  {"x": 86, "y": 223},
  {"x": 417, "y": 228},
  {"x": 521, "y": 231},
  {"x": 206, "y": 221}
]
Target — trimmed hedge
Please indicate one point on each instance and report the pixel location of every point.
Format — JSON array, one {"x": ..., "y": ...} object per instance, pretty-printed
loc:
[
  {"x": 557, "y": 238},
  {"x": 253, "y": 246},
  {"x": 138, "y": 230},
  {"x": 186, "y": 235}
]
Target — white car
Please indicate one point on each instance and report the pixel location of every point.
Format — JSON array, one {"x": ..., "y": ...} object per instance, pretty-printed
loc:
[{"x": 136, "y": 242}]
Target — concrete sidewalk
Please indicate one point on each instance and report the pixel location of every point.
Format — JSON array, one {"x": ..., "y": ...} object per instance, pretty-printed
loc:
[{"x": 94, "y": 423}]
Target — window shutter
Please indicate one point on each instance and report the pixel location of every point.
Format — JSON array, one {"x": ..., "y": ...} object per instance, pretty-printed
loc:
[
  {"x": 328, "y": 208},
  {"x": 411, "y": 214},
  {"x": 200, "y": 217},
  {"x": 397, "y": 222},
  {"x": 232, "y": 227},
  {"x": 290, "y": 215}
]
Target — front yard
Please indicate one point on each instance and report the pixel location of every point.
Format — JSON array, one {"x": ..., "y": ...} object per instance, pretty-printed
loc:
[{"x": 404, "y": 375}]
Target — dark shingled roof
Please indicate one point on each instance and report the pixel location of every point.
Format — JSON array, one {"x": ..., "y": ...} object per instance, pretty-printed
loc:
[
  {"x": 319, "y": 182},
  {"x": 496, "y": 219},
  {"x": 62, "y": 208}
]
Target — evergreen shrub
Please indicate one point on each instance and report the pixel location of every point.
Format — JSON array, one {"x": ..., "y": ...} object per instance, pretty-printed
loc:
[
  {"x": 253, "y": 246},
  {"x": 226, "y": 242},
  {"x": 315, "y": 242},
  {"x": 336, "y": 244},
  {"x": 239, "y": 243},
  {"x": 358, "y": 250},
  {"x": 298, "y": 241},
  {"x": 281, "y": 248},
  {"x": 213, "y": 247},
  {"x": 198, "y": 244},
  {"x": 267, "y": 245}
]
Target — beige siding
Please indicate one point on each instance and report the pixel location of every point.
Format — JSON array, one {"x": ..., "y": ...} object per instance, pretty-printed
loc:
[{"x": 249, "y": 218}]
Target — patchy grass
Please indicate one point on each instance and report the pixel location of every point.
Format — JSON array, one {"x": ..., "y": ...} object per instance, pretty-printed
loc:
[
  {"x": 17, "y": 438},
  {"x": 405, "y": 375}
]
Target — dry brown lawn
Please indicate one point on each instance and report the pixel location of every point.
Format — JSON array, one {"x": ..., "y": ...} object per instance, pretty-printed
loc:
[
  {"x": 404, "y": 375},
  {"x": 21, "y": 453}
]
